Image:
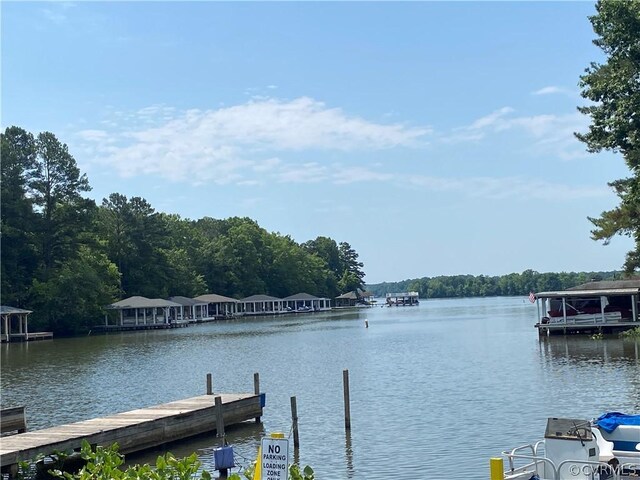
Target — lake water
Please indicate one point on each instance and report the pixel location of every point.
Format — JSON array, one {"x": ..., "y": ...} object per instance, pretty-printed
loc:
[{"x": 436, "y": 390}]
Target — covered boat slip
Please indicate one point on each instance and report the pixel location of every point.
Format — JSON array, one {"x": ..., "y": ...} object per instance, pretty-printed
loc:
[
  {"x": 596, "y": 307},
  {"x": 15, "y": 326}
]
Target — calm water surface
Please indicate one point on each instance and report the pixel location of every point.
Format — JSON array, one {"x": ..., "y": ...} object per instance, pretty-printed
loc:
[{"x": 435, "y": 389}]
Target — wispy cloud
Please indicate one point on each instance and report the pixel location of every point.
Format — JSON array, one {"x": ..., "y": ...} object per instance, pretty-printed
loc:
[
  {"x": 555, "y": 90},
  {"x": 508, "y": 187},
  {"x": 53, "y": 15},
  {"x": 551, "y": 134},
  {"x": 226, "y": 144},
  {"x": 274, "y": 141}
]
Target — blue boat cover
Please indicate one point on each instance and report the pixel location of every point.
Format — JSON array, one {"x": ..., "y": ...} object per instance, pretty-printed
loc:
[{"x": 610, "y": 421}]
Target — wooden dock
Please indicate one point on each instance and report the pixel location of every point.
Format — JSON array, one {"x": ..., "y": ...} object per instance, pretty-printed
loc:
[
  {"x": 26, "y": 337},
  {"x": 136, "y": 430}
]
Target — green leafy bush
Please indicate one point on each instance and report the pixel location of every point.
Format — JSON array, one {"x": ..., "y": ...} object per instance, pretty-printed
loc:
[
  {"x": 633, "y": 333},
  {"x": 106, "y": 463}
]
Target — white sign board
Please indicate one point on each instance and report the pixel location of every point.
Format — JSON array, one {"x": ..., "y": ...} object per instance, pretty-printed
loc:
[{"x": 274, "y": 459}]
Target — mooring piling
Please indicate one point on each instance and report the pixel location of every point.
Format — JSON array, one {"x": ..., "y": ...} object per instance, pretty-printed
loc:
[
  {"x": 294, "y": 422},
  {"x": 209, "y": 384},
  {"x": 347, "y": 409}
]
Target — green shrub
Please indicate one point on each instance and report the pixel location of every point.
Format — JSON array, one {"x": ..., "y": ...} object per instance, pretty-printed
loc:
[{"x": 633, "y": 333}]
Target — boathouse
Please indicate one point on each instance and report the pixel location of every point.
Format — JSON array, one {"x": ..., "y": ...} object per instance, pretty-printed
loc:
[
  {"x": 219, "y": 306},
  {"x": 304, "y": 302},
  {"x": 261, "y": 305},
  {"x": 402, "y": 299},
  {"x": 135, "y": 312},
  {"x": 594, "y": 307},
  {"x": 15, "y": 326},
  {"x": 191, "y": 310},
  {"x": 354, "y": 298}
]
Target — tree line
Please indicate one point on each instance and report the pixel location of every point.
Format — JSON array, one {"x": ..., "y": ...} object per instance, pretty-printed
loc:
[
  {"x": 65, "y": 257},
  {"x": 513, "y": 284}
]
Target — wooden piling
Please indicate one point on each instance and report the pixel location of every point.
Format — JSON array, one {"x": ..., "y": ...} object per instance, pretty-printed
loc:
[
  {"x": 347, "y": 410},
  {"x": 294, "y": 421},
  {"x": 256, "y": 388},
  {"x": 13, "y": 420},
  {"x": 209, "y": 384},
  {"x": 219, "y": 418}
]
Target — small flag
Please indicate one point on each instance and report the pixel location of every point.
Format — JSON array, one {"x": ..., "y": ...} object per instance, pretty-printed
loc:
[{"x": 532, "y": 297}]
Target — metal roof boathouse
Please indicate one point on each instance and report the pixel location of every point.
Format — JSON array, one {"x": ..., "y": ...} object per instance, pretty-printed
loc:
[
  {"x": 18, "y": 318},
  {"x": 594, "y": 307},
  {"x": 219, "y": 306},
  {"x": 261, "y": 305},
  {"x": 136, "y": 313},
  {"x": 304, "y": 302}
]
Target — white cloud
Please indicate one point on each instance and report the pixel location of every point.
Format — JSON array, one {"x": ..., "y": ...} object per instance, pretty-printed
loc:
[
  {"x": 53, "y": 16},
  {"x": 548, "y": 90},
  {"x": 494, "y": 119},
  {"x": 510, "y": 187},
  {"x": 94, "y": 135},
  {"x": 551, "y": 134},
  {"x": 555, "y": 90},
  {"x": 227, "y": 144},
  {"x": 359, "y": 174}
]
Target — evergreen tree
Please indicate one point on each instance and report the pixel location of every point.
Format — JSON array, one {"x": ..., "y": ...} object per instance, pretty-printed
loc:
[
  {"x": 18, "y": 255},
  {"x": 614, "y": 89}
]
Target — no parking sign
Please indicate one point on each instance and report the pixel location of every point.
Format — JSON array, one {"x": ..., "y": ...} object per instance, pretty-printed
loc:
[{"x": 274, "y": 459}]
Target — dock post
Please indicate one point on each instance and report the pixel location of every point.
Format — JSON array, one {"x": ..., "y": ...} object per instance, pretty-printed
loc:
[
  {"x": 294, "y": 421},
  {"x": 219, "y": 418},
  {"x": 496, "y": 467},
  {"x": 209, "y": 385},
  {"x": 347, "y": 410},
  {"x": 256, "y": 388}
]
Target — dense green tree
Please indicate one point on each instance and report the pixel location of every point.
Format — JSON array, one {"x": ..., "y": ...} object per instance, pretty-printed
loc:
[
  {"x": 352, "y": 274},
  {"x": 328, "y": 251},
  {"x": 74, "y": 297},
  {"x": 135, "y": 236},
  {"x": 614, "y": 89},
  {"x": 56, "y": 186},
  {"x": 180, "y": 251},
  {"x": 18, "y": 257},
  {"x": 513, "y": 284}
]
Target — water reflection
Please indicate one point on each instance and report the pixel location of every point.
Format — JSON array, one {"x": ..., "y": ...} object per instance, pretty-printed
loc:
[
  {"x": 576, "y": 349},
  {"x": 348, "y": 450}
]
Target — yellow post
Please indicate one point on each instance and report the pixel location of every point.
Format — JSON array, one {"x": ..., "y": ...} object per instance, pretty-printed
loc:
[
  {"x": 496, "y": 466},
  {"x": 257, "y": 472}
]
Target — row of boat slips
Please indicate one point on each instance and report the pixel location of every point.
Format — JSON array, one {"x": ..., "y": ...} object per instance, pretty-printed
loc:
[
  {"x": 141, "y": 312},
  {"x": 594, "y": 307}
]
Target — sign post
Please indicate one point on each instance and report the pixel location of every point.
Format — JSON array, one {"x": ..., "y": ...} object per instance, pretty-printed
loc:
[{"x": 274, "y": 458}]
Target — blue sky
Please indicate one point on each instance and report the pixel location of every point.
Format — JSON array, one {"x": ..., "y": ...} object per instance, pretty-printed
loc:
[{"x": 435, "y": 137}]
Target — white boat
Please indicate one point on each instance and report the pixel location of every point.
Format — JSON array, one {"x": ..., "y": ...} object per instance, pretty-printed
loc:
[{"x": 605, "y": 448}]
